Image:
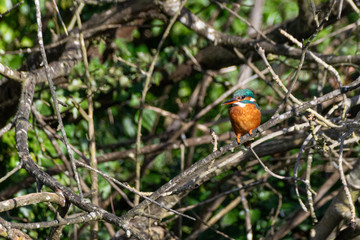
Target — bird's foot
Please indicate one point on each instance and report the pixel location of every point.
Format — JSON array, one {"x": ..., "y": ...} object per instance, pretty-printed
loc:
[
  {"x": 250, "y": 132},
  {"x": 238, "y": 138}
]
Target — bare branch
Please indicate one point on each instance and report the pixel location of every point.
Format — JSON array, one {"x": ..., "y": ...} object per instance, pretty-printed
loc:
[
  {"x": 33, "y": 198},
  {"x": 53, "y": 94}
]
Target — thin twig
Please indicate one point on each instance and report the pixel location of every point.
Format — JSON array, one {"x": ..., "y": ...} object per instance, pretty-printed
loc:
[
  {"x": 193, "y": 59},
  {"x": 316, "y": 58},
  {"x": 245, "y": 203},
  {"x": 60, "y": 18},
  {"x": 212, "y": 228},
  {"x": 319, "y": 60},
  {"x": 305, "y": 143},
  {"x": 126, "y": 186},
  {"x": 309, "y": 193},
  {"x": 343, "y": 181},
  {"x": 143, "y": 96},
  {"x": 73, "y": 20},
  {"x": 302, "y": 58},
  {"x": 214, "y": 139},
  {"x": 91, "y": 129},
  {"x": 11, "y": 9},
  {"x": 279, "y": 176},
  {"x": 261, "y": 52},
  {"x": 353, "y": 5},
  {"x": 268, "y": 170},
  {"x": 351, "y": 26},
  {"x": 187, "y": 208},
  {"x": 6, "y": 128},
  {"x": 313, "y": 8},
  {"x": 53, "y": 95},
  {"x": 182, "y": 157},
  {"x": 14, "y": 170},
  {"x": 277, "y": 212},
  {"x": 207, "y": 224},
  {"x": 87, "y": 33},
  {"x": 120, "y": 59},
  {"x": 222, "y": 5}
]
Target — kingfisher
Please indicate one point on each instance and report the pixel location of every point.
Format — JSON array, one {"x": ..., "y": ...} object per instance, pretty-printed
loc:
[{"x": 244, "y": 113}]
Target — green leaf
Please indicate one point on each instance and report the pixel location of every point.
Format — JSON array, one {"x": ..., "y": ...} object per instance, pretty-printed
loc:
[
  {"x": 149, "y": 117},
  {"x": 26, "y": 42},
  {"x": 129, "y": 127},
  {"x": 7, "y": 32},
  {"x": 134, "y": 101},
  {"x": 230, "y": 218},
  {"x": 264, "y": 195},
  {"x": 255, "y": 214}
]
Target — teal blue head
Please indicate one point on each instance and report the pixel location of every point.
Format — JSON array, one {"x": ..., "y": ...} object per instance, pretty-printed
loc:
[
  {"x": 244, "y": 96},
  {"x": 243, "y": 93}
]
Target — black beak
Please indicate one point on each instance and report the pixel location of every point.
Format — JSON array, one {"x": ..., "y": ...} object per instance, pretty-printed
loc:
[{"x": 233, "y": 100}]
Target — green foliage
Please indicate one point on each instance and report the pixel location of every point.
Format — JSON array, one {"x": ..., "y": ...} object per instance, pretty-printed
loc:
[
  {"x": 230, "y": 218},
  {"x": 148, "y": 118},
  {"x": 117, "y": 90},
  {"x": 278, "y": 11}
]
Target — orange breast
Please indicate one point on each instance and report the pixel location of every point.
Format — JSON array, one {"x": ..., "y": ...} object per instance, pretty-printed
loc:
[{"x": 244, "y": 119}]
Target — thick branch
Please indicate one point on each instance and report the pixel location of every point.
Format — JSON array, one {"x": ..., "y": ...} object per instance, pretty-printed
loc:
[{"x": 206, "y": 168}]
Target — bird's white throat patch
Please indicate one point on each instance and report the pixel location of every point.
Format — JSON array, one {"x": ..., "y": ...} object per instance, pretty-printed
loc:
[{"x": 239, "y": 104}]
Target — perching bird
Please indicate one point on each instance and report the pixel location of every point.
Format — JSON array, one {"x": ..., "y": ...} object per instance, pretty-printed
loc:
[{"x": 244, "y": 113}]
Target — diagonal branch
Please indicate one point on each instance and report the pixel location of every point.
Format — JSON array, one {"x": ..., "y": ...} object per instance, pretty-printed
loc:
[
  {"x": 21, "y": 127},
  {"x": 202, "y": 171}
]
